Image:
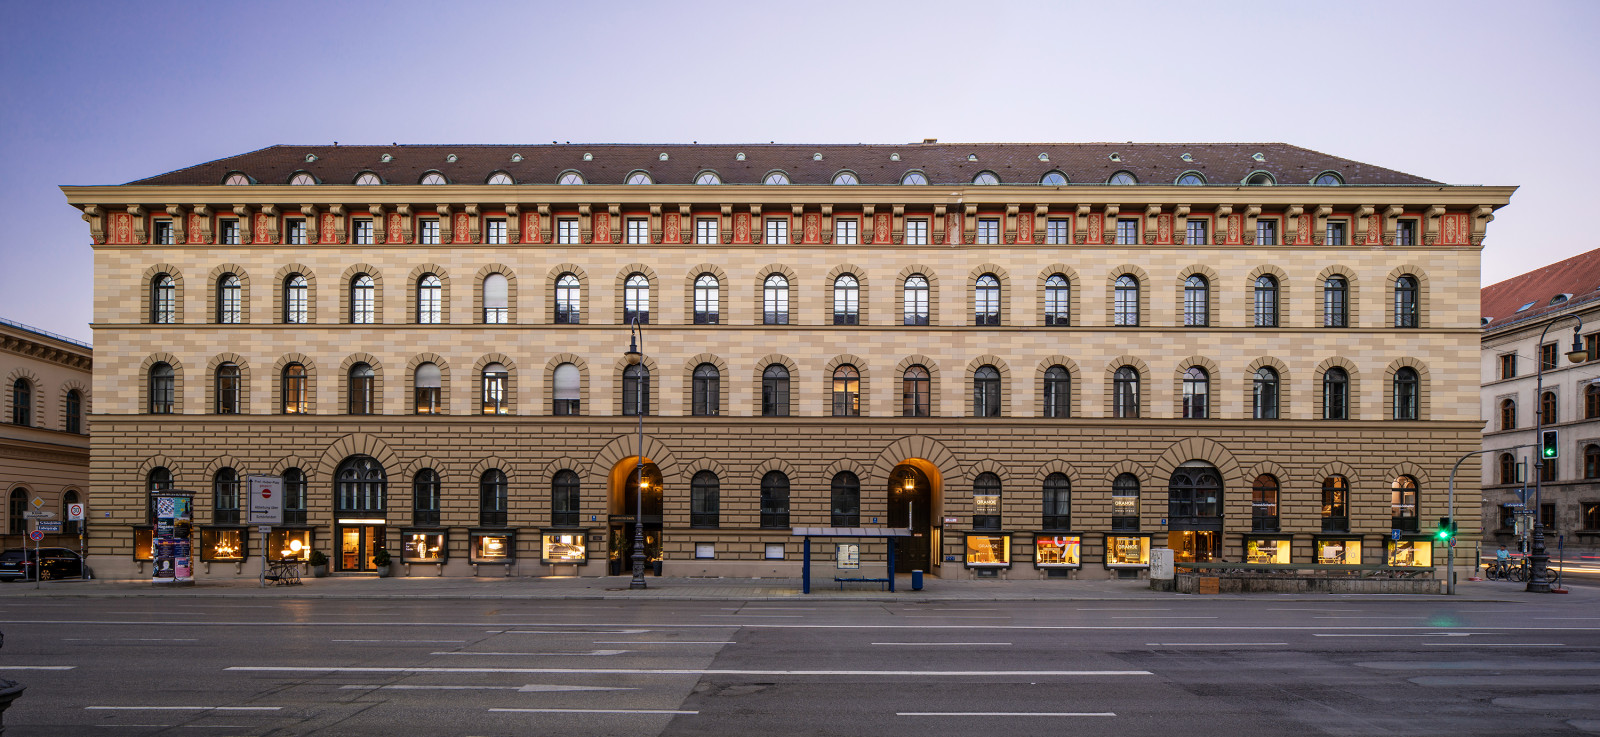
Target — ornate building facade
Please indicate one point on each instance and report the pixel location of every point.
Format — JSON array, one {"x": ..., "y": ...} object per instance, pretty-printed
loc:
[
  {"x": 44, "y": 430},
  {"x": 1044, "y": 359}
]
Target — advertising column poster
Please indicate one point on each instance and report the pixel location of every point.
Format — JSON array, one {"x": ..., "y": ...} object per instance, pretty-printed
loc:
[{"x": 171, "y": 554}]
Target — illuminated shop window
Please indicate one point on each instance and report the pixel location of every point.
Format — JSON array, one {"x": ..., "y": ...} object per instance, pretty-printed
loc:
[
  {"x": 1263, "y": 550},
  {"x": 222, "y": 544},
  {"x": 1339, "y": 552},
  {"x": 1418, "y": 553},
  {"x": 423, "y": 547},
  {"x": 1127, "y": 551},
  {"x": 1057, "y": 551},
  {"x": 493, "y": 547},
  {"x": 564, "y": 548},
  {"x": 988, "y": 551},
  {"x": 289, "y": 544},
  {"x": 143, "y": 543}
]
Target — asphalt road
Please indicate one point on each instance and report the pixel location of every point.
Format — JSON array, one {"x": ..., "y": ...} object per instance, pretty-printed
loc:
[{"x": 1253, "y": 666}]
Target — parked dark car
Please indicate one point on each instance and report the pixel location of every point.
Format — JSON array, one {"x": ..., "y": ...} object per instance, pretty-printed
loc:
[{"x": 19, "y": 564}]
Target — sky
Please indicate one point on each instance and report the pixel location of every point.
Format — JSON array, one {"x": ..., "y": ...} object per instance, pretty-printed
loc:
[{"x": 1461, "y": 92}]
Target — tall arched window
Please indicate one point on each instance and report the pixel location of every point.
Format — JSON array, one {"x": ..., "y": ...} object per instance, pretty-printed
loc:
[
  {"x": 22, "y": 402},
  {"x": 846, "y": 300},
  {"x": 1405, "y": 301},
  {"x": 230, "y": 300},
  {"x": 295, "y": 401},
  {"x": 363, "y": 300},
  {"x": 1591, "y": 462},
  {"x": 1057, "y": 300},
  {"x": 775, "y": 300},
  {"x": 1264, "y": 504},
  {"x": 986, "y": 301},
  {"x": 360, "y": 397},
  {"x": 1335, "y": 394},
  {"x": 636, "y": 390},
  {"x": 294, "y": 496},
  {"x": 986, "y": 502},
  {"x": 225, "y": 497},
  {"x": 1403, "y": 504},
  {"x": 360, "y": 486},
  {"x": 636, "y": 299},
  {"x": 1264, "y": 397},
  {"x": 74, "y": 411},
  {"x": 775, "y": 500},
  {"x": 568, "y": 385},
  {"x": 845, "y": 500},
  {"x": 1057, "y": 392},
  {"x": 429, "y": 388},
  {"x": 296, "y": 300},
  {"x": 706, "y": 391},
  {"x": 228, "y": 389},
  {"x": 16, "y": 507},
  {"x": 1125, "y": 392},
  {"x": 68, "y": 498},
  {"x": 1405, "y": 394},
  {"x": 1335, "y": 302},
  {"x": 916, "y": 300},
  {"x": 1266, "y": 301},
  {"x": 1335, "y": 504},
  {"x": 1508, "y": 468},
  {"x": 163, "y": 299},
  {"x": 1125, "y": 502},
  {"x": 496, "y": 390},
  {"x": 159, "y": 479},
  {"x": 846, "y": 391},
  {"x": 704, "y": 504},
  {"x": 163, "y": 389},
  {"x": 986, "y": 392},
  {"x": 1196, "y": 301},
  {"x": 775, "y": 391},
  {"x": 1591, "y": 401},
  {"x": 1196, "y": 393},
  {"x": 425, "y": 498},
  {"x": 706, "y": 307},
  {"x": 569, "y": 300},
  {"x": 564, "y": 499},
  {"x": 1127, "y": 301},
  {"x": 496, "y": 299},
  {"x": 1057, "y": 502},
  {"x": 492, "y": 498},
  {"x": 1508, "y": 414},
  {"x": 915, "y": 394},
  {"x": 1547, "y": 408},
  {"x": 430, "y": 300}
]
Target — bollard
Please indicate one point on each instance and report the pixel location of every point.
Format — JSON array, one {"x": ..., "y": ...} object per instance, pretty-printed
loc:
[{"x": 916, "y": 580}]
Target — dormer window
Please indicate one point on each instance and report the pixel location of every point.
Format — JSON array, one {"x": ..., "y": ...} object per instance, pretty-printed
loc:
[
  {"x": 236, "y": 178},
  {"x": 1053, "y": 179},
  {"x": 1191, "y": 179},
  {"x": 1122, "y": 177},
  {"x": 1485, "y": 322},
  {"x": 708, "y": 177},
  {"x": 302, "y": 178},
  {"x": 368, "y": 179},
  {"x": 845, "y": 177},
  {"x": 914, "y": 177},
  {"x": 1260, "y": 179},
  {"x": 1558, "y": 299},
  {"x": 500, "y": 177},
  {"x": 776, "y": 177},
  {"x": 570, "y": 177},
  {"x": 640, "y": 177},
  {"x": 986, "y": 177},
  {"x": 433, "y": 177},
  {"x": 1527, "y": 306},
  {"x": 1328, "y": 179}
]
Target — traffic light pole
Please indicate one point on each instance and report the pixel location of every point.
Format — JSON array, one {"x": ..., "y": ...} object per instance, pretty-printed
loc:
[
  {"x": 1450, "y": 550},
  {"x": 1538, "y": 581}
]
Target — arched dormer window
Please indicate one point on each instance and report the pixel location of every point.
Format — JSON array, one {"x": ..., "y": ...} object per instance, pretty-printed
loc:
[
  {"x": 707, "y": 177},
  {"x": 570, "y": 177},
  {"x": 367, "y": 179},
  {"x": 1123, "y": 177},
  {"x": 985, "y": 178},
  {"x": 1328, "y": 179},
  {"x": 236, "y": 179},
  {"x": 1053, "y": 179},
  {"x": 1260, "y": 179},
  {"x": 302, "y": 179},
  {"x": 914, "y": 177},
  {"x": 500, "y": 177},
  {"x": 433, "y": 177},
  {"x": 1191, "y": 179},
  {"x": 846, "y": 177},
  {"x": 776, "y": 177},
  {"x": 636, "y": 177}
]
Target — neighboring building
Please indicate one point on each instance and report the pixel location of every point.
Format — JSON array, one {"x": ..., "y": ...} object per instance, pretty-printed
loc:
[
  {"x": 1043, "y": 358},
  {"x": 1515, "y": 312},
  {"x": 44, "y": 430}
]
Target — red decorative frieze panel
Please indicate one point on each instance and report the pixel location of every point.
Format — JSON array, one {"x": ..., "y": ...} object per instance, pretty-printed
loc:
[
  {"x": 880, "y": 227},
  {"x": 1236, "y": 229},
  {"x": 813, "y": 229},
  {"x": 530, "y": 227},
  {"x": 670, "y": 232},
  {"x": 260, "y": 228},
  {"x": 1374, "y": 230},
  {"x": 195, "y": 234},
  {"x": 392, "y": 227},
  {"x": 741, "y": 227},
  {"x": 1306, "y": 222},
  {"x": 325, "y": 228},
  {"x": 1454, "y": 229},
  {"x": 1164, "y": 230},
  {"x": 1096, "y": 227},
  {"x": 121, "y": 227},
  {"x": 1025, "y": 227},
  {"x": 602, "y": 227}
]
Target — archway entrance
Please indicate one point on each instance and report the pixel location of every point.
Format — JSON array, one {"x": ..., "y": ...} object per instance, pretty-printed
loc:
[
  {"x": 628, "y": 494},
  {"x": 1194, "y": 511},
  {"x": 911, "y": 505}
]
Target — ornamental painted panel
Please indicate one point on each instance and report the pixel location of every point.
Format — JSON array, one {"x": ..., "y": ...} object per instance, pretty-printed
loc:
[
  {"x": 880, "y": 228},
  {"x": 813, "y": 229},
  {"x": 741, "y": 228},
  {"x": 325, "y": 232},
  {"x": 194, "y": 229},
  {"x": 1096, "y": 227},
  {"x": 669, "y": 229},
  {"x": 260, "y": 228},
  {"x": 1305, "y": 231},
  {"x": 952, "y": 229},
  {"x": 1235, "y": 229},
  {"x": 392, "y": 227},
  {"x": 1374, "y": 230},
  {"x": 1164, "y": 230},
  {"x": 530, "y": 227},
  {"x": 121, "y": 228},
  {"x": 1025, "y": 227},
  {"x": 458, "y": 232},
  {"x": 602, "y": 227},
  {"x": 1453, "y": 230}
]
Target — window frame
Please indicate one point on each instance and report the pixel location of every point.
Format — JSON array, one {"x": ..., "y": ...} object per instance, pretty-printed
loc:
[
  {"x": 636, "y": 299},
  {"x": 705, "y": 503},
  {"x": 774, "y": 505},
  {"x": 1196, "y": 393},
  {"x": 427, "y": 400},
  {"x": 636, "y": 386},
  {"x": 363, "y": 300},
  {"x": 1407, "y": 301},
  {"x": 1265, "y": 394},
  {"x": 162, "y": 393},
  {"x": 707, "y": 299},
  {"x": 846, "y": 300},
  {"x": 359, "y": 393},
  {"x": 986, "y": 304},
  {"x": 846, "y": 393},
  {"x": 1196, "y": 301},
  {"x": 296, "y": 299},
  {"x": 1266, "y": 301},
  {"x": 495, "y": 398},
  {"x": 1056, "y": 502},
  {"x": 1058, "y": 300},
  {"x": 1335, "y": 394},
  {"x": 1125, "y": 301},
  {"x": 163, "y": 299},
  {"x": 1407, "y": 403},
  {"x": 844, "y": 499},
  {"x": 430, "y": 300},
  {"x": 425, "y": 498},
  {"x": 775, "y": 391},
  {"x": 230, "y": 300},
  {"x": 775, "y": 299},
  {"x": 566, "y": 499},
  {"x": 229, "y": 382},
  {"x": 1056, "y": 392},
  {"x": 494, "y": 499},
  {"x": 986, "y": 389},
  {"x": 916, "y": 391},
  {"x": 915, "y": 300},
  {"x": 987, "y": 485},
  {"x": 706, "y": 391},
  {"x": 294, "y": 389},
  {"x": 1125, "y": 393}
]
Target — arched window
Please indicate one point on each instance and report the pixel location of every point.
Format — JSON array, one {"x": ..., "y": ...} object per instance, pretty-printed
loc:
[
  {"x": 1191, "y": 179},
  {"x": 160, "y": 479},
  {"x": 22, "y": 402},
  {"x": 1591, "y": 462},
  {"x": 1057, "y": 302},
  {"x": 1127, "y": 301},
  {"x": 986, "y": 502},
  {"x": 1125, "y": 392},
  {"x": 705, "y": 394},
  {"x": 363, "y": 300},
  {"x": 1057, "y": 502},
  {"x": 986, "y": 177},
  {"x": 1053, "y": 179},
  {"x": 845, "y": 177},
  {"x": 1194, "y": 493},
  {"x": 429, "y": 388},
  {"x": 708, "y": 177},
  {"x": 1405, "y": 301},
  {"x": 294, "y": 496},
  {"x": 228, "y": 389},
  {"x": 776, "y": 177},
  {"x": 425, "y": 498},
  {"x": 496, "y": 299},
  {"x": 433, "y": 178},
  {"x": 775, "y": 300},
  {"x": 636, "y": 390},
  {"x": 230, "y": 300},
  {"x": 986, "y": 392},
  {"x": 775, "y": 391},
  {"x": 1547, "y": 408},
  {"x": 636, "y": 299},
  {"x": 986, "y": 301},
  {"x": 1196, "y": 301},
  {"x": 640, "y": 177},
  {"x": 492, "y": 498},
  {"x": 1122, "y": 177},
  {"x": 1266, "y": 301},
  {"x": 68, "y": 498},
  {"x": 1508, "y": 467},
  {"x": 846, "y": 300},
  {"x": 568, "y": 384},
  {"x": 568, "y": 299},
  {"x": 499, "y": 177},
  {"x": 1196, "y": 393},
  {"x": 295, "y": 401},
  {"x": 914, "y": 178},
  {"x": 1403, "y": 504},
  {"x": 1405, "y": 394},
  {"x": 496, "y": 390},
  {"x": 916, "y": 384},
  {"x": 296, "y": 304},
  {"x": 163, "y": 390},
  {"x": 430, "y": 300},
  {"x": 846, "y": 391},
  {"x": 1508, "y": 414},
  {"x": 775, "y": 500},
  {"x": 163, "y": 299},
  {"x": 564, "y": 499},
  {"x": 360, "y": 394},
  {"x": 1125, "y": 502},
  {"x": 1264, "y": 504},
  {"x": 1335, "y": 504},
  {"x": 74, "y": 411},
  {"x": 1057, "y": 392},
  {"x": 225, "y": 497},
  {"x": 1591, "y": 401},
  {"x": 1335, "y": 302},
  {"x": 1264, "y": 397},
  {"x": 845, "y": 500},
  {"x": 16, "y": 507},
  {"x": 706, "y": 295},
  {"x": 704, "y": 504},
  {"x": 916, "y": 300},
  {"x": 1335, "y": 394}
]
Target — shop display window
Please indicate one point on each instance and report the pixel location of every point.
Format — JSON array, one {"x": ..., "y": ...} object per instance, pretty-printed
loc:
[
  {"x": 493, "y": 547},
  {"x": 1341, "y": 552},
  {"x": 289, "y": 544},
  {"x": 988, "y": 551},
  {"x": 1266, "y": 550},
  {"x": 1127, "y": 551},
  {"x": 1418, "y": 553},
  {"x": 565, "y": 548},
  {"x": 222, "y": 543},
  {"x": 143, "y": 543},
  {"x": 422, "y": 547},
  {"x": 1057, "y": 551}
]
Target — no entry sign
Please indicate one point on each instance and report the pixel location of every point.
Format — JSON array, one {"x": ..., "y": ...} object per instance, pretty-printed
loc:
[{"x": 266, "y": 499}]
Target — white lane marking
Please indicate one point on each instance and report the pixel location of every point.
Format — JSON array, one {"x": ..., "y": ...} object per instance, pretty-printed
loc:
[
  {"x": 1424, "y": 634},
  {"x": 1287, "y": 609},
  {"x": 573, "y": 632},
  {"x": 941, "y": 616},
  {"x": 1210, "y": 644},
  {"x": 663, "y": 642},
  {"x": 1162, "y": 616},
  {"x": 1589, "y": 619},
  {"x": 1120, "y": 609},
  {"x": 416, "y": 641},
  {"x": 37, "y": 667},
  {"x": 591, "y": 652},
  {"x": 1381, "y": 616},
  {"x": 1005, "y": 714},
  {"x": 1496, "y": 644},
  {"x": 529, "y": 688},
  {"x": 678, "y": 671},
  {"x": 183, "y": 708},
  {"x": 595, "y": 711},
  {"x": 738, "y": 614},
  {"x": 943, "y": 644},
  {"x": 982, "y": 609},
  {"x": 768, "y": 608},
  {"x": 130, "y": 639}
]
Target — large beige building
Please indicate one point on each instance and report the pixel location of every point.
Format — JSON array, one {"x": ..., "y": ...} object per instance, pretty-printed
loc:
[
  {"x": 1043, "y": 358},
  {"x": 44, "y": 430}
]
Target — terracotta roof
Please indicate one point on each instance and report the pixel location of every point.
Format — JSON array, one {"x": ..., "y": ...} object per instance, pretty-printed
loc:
[
  {"x": 1578, "y": 276},
  {"x": 943, "y": 163}
]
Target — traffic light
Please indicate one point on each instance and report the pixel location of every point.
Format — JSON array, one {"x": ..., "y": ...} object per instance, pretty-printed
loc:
[
  {"x": 1447, "y": 530},
  {"x": 1547, "y": 447}
]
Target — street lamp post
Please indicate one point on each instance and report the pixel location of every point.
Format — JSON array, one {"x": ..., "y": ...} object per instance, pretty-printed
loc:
[
  {"x": 1538, "y": 582},
  {"x": 635, "y": 342}
]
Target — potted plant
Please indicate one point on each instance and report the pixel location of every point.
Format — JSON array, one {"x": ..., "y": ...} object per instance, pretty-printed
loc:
[
  {"x": 318, "y": 563},
  {"x": 380, "y": 558}
]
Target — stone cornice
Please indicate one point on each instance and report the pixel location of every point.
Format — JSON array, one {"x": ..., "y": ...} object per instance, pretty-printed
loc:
[{"x": 39, "y": 350}]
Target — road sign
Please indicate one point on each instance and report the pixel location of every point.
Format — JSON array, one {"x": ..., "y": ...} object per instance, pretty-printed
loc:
[
  {"x": 36, "y": 514},
  {"x": 36, "y": 536},
  {"x": 266, "y": 499},
  {"x": 1394, "y": 535},
  {"x": 37, "y": 502},
  {"x": 52, "y": 526},
  {"x": 75, "y": 512}
]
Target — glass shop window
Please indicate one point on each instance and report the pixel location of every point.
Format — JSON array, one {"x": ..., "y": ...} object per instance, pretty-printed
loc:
[
  {"x": 1127, "y": 551},
  {"x": 988, "y": 551},
  {"x": 1263, "y": 550},
  {"x": 564, "y": 548},
  {"x": 423, "y": 547},
  {"x": 222, "y": 544},
  {"x": 1057, "y": 551}
]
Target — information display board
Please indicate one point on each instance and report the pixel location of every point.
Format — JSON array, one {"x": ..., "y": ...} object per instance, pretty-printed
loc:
[{"x": 172, "y": 557}]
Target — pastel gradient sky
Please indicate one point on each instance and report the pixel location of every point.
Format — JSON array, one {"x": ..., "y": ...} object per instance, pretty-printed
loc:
[{"x": 1462, "y": 92}]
